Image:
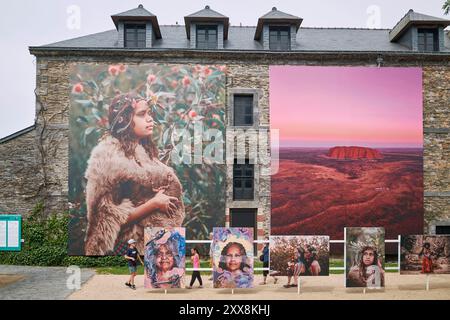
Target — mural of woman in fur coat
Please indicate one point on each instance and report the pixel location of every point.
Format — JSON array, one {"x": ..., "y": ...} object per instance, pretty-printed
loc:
[{"x": 128, "y": 187}]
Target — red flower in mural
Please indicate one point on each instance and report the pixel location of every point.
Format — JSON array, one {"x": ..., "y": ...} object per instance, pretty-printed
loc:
[
  {"x": 207, "y": 71},
  {"x": 192, "y": 114},
  {"x": 78, "y": 88},
  {"x": 122, "y": 68},
  {"x": 151, "y": 78},
  {"x": 223, "y": 69},
  {"x": 114, "y": 70},
  {"x": 186, "y": 81},
  {"x": 174, "y": 84}
]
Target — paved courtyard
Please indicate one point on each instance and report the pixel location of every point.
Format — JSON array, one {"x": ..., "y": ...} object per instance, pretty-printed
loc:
[
  {"x": 51, "y": 283},
  {"x": 42, "y": 283},
  {"x": 317, "y": 288}
]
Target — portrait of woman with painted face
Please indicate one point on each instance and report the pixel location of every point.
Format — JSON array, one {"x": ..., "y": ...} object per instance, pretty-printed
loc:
[
  {"x": 164, "y": 258},
  {"x": 233, "y": 267}
]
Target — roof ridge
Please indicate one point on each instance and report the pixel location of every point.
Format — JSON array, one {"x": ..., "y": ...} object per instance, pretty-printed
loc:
[
  {"x": 247, "y": 26},
  {"x": 345, "y": 28}
]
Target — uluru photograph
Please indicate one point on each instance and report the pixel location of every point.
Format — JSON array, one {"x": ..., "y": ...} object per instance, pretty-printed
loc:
[{"x": 350, "y": 150}]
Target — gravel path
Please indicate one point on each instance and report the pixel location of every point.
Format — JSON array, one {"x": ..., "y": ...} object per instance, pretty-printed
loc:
[
  {"x": 315, "y": 288},
  {"x": 40, "y": 283}
]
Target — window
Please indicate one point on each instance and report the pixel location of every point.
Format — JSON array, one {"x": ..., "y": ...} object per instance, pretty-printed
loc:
[
  {"x": 442, "y": 229},
  {"x": 206, "y": 37},
  {"x": 245, "y": 218},
  {"x": 243, "y": 110},
  {"x": 428, "y": 40},
  {"x": 135, "y": 35},
  {"x": 243, "y": 176},
  {"x": 279, "y": 38}
]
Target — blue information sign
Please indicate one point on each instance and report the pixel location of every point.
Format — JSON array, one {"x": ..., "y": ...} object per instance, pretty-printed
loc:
[{"x": 10, "y": 232}]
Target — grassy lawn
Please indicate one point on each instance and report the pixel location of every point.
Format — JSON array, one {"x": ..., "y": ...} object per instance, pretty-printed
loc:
[
  {"x": 340, "y": 263},
  {"x": 205, "y": 264}
]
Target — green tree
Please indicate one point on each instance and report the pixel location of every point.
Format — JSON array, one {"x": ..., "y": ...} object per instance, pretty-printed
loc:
[{"x": 446, "y": 7}]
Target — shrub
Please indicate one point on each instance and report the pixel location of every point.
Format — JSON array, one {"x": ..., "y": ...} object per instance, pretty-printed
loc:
[{"x": 46, "y": 241}]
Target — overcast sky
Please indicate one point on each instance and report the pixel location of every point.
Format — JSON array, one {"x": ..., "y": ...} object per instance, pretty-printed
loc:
[{"x": 31, "y": 23}]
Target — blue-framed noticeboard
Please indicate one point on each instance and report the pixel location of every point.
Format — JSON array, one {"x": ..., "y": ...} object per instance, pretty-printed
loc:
[{"x": 10, "y": 232}]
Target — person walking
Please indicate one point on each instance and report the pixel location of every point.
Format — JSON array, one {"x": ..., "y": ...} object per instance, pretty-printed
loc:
[
  {"x": 265, "y": 260},
  {"x": 195, "y": 258},
  {"x": 132, "y": 255}
]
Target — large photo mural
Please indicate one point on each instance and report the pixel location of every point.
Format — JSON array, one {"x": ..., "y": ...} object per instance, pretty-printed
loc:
[
  {"x": 350, "y": 151},
  {"x": 145, "y": 151}
]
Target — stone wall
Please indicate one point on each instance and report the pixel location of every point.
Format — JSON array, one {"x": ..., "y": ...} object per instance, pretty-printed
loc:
[
  {"x": 20, "y": 176},
  {"x": 245, "y": 71}
]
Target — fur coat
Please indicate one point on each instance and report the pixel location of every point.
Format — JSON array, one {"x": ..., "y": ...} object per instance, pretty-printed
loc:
[{"x": 116, "y": 186}]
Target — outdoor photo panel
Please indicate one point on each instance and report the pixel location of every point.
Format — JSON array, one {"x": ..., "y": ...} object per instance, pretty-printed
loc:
[
  {"x": 164, "y": 257},
  {"x": 364, "y": 254},
  {"x": 233, "y": 257},
  {"x": 350, "y": 149},
  {"x": 424, "y": 254},
  {"x": 145, "y": 150},
  {"x": 299, "y": 255}
]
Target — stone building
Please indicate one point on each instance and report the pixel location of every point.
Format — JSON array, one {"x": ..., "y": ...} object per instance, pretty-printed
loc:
[{"x": 34, "y": 161}]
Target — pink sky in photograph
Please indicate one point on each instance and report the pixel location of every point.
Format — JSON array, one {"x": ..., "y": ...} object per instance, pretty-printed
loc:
[{"x": 346, "y": 106}]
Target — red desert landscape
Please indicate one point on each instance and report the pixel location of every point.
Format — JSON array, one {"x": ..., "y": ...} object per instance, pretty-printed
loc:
[{"x": 323, "y": 190}]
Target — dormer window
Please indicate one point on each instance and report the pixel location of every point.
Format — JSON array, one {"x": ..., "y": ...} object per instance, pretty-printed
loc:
[
  {"x": 428, "y": 40},
  {"x": 135, "y": 36},
  {"x": 206, "y": 37},
  {"x": 138, "y": 28},
  {"x": 206, "y": 29},
  {"x": 277, "y": 30},
  {"x": 280, "y": 38},
  {"x": 420, "y": 32}
]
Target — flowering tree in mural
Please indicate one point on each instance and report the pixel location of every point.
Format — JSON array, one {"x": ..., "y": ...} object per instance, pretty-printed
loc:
[{"x": 181, "y": 97}]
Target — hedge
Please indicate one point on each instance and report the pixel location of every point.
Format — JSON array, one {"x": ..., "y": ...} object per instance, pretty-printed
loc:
[{"x": 46, "y": 241}]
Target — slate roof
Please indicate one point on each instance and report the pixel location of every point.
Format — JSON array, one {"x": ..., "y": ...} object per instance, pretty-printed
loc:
[
  {"x": 412, "y": 17},
  {"x": 140, "y": 11},
  {"x": 207, "y": 12},
  {"x": 277, "y": 14},
  {"x": 242, "y": 38}
]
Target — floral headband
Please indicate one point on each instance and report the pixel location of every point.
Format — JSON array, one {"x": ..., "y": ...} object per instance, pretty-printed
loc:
[{"x": 119, "y": 108}]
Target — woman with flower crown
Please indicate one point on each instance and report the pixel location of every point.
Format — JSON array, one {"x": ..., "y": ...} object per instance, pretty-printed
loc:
[{"x": 128, "y": 187}]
